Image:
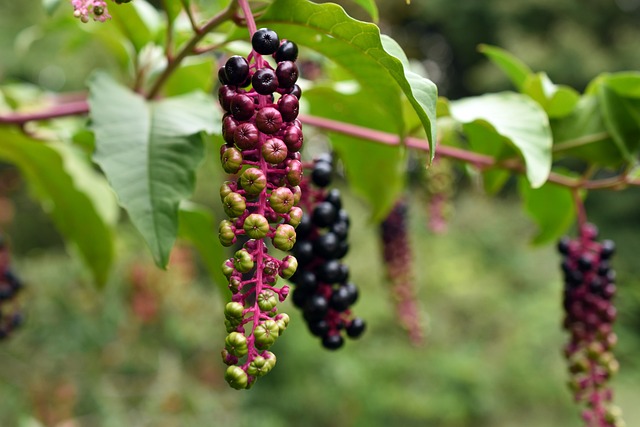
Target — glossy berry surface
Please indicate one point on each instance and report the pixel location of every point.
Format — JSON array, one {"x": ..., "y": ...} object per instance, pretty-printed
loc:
[
  {"x": 236, "y": 70},
  {"x": 265, "y": 41},
  {"x": 287, "y": 51}
]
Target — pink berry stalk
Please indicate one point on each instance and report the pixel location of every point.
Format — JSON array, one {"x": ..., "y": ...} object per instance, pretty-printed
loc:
[
  {"x": 397, "y": 256},
  {"x": 262, "y": 142},
  {"x": 589, "y": 316}
]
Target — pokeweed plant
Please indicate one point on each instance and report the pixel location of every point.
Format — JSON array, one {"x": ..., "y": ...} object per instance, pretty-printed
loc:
[{"x": 148, "y": 128}]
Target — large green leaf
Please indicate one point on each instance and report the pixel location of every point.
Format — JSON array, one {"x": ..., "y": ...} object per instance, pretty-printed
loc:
[
  {"x": 370, "y": 7},
  {"x": 149, "y": 152},
  {"x": 517, "y": 118},
  {"x": 198, "y": 226},
  {"x": 194, "y": 74},
  {"x": 551, "y": 206},
  {"x": 513, "y": 67},
  {"x": 583, "y": 134},
  {"x": 376, "y": 172},
  {"x": 357, "y": 47},
  {"x": 557, "y": 100},
  {"x": 78, "y": 200},
  {"x": 625, "y": 84},
  {"x": 622, "y": 118}
]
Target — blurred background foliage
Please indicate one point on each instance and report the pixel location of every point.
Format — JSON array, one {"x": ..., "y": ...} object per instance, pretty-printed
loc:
[{"x": 145, "y": 350}]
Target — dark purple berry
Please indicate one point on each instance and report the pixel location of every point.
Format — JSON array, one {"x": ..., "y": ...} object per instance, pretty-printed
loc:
[
  {"x": 229, "y": 125},
  {"x": 264, "y": 81},
  {"x": 225, "y": 96},
  {"x": 329, "y": 272},
  {"x": 222, "y": 77},
  {"x": 303, "y": 250},
  {"x": 324, "y": 214},
  {"x": 236, "y": 69},
  {"x": 268, "y": 120},
  {"x": 340, "y": 299},
  {"x": 332, "y": 342},
  {"x": 584, "y": 263},
  {"x": 608, "y": 249},
  {"x": 288, "y": 51},
  {"x": 307, "y": 282},
  {"x": 340, "y": 229},
  {"x": 242, "y": 107},
  {"x": 321, "y": 174},
  {"x": 246, "y": 136},
  {"x": 342, "y": 250},
  {"x": 356, "y": 327},
  {"x": 296, "y": 91},
  {"x": 265, "y": 41},
  {"x": 352, "y": 291},
  {"x": 315, "y": 308},
  {"x": 293, "y": 138},
  {"x": 289, "y": 107},
  {"x": 563, "y": 245},
  {"x": 304, "y": 228},
  {"x": 333, "y": 197},
  {"x": 326, "y": 246},
  {"x": 319, "y": 328},
  {"x": 287, "y": 74}
]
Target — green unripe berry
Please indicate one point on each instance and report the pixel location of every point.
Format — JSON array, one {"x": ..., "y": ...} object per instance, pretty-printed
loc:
[
  {"x": 266, "y": 334},
  {"x": 236, "y": 377},
  {"x": 281, "y": 200},
  {"x": 258, "y": 367},
  {"x": 233, "y": 310},
  {"x": 288, "y": 267},
  {"x": 227, "y": 268},
  {"x": 284, "y": 237},
  {"x": 234, "y": 205},
  {"x": 267, "y": 300},
  {"x": 253, "y": 181},
  {"x": 243, "y": 261},
  {"x": 231, "y": 325},
  {"x": 270, "y": 360},
  {"x": 282, "y": 320},
  {"x": 225, "y": 189},
  {"x": 226, "y": 233},
  {"x": 295, "y": 216},
  {"x": 256, "y": 226},
  {"x": 236, "y": 344},
  {"x": 231, "y": 160}
]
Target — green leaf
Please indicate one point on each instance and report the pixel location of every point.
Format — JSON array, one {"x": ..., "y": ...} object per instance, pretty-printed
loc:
[
  {"x": 138, "y": 21},
  {"x": 621, "y": 117},
  {"x": 198, "y": 225},
  {"x": 370, "y": 7},
  {"x": 557, "y": 100},
  {"x": 583, "y": 134},
  {"x": 551, "y": 206},
  {"x": 375, "y": 172},
  {"x": 149, "y": 152},
  {"x": 625, "y": 84},
  {"x": 514, "y": 68},
  {"x": 358, "y": 48},
  {"x": 520, "y": 121},
  {"x": 194, "y": 74},
  {"x": 172, "y": 8},
  {"x": 78, "y": 200}
]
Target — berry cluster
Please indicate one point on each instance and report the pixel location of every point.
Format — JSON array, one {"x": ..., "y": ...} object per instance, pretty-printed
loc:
[
  {"x": 97, "y": 9},
  {"x": 397, "y": 256},
  {"x": 323, "y": 290},
  {"x": 10, "y": 286},
  {"x": 262, "y": 142},
  {"x": 589, "y": 287}
]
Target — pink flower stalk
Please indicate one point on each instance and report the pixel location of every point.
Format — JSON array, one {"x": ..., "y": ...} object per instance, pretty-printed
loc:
[
  {"x": 397, "y": 255},
  {"x": 96, "y": 9}
]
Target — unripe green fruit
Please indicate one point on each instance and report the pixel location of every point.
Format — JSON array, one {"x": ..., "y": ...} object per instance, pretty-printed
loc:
[
  {"x": 236, "y": 344},
  {"x": 227, "y": 268},
  {"x": 226, "y": 233},
  {"x": 231, "y": 325},
  {"x": 284, "y": 237},
  {"x": 231, "y": 160},
  {"x": 295, "y": 216},
  {"x": 288, "y": 267},
  {"x": 281, "y": 200},
  {"x": 256, "y": 226},
  {"x": 282, "y": 320},
  {"x": 236, "y": 377},
  {"x": 253, "y": 181},
  {"x": 258, "y": 367},
  {"x": 267, "y": 300},
  {"x": 225, "y": 189},
  {"x": 243, "y": 261},
  {"x": 234, "y": 205},
  {"x": 233, "y": 310},
  {"x": 266, "y": 334}
]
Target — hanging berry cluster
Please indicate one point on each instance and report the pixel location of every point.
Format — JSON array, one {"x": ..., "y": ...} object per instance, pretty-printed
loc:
[
  {"x": 262, "y": 142},
  {"x": 322, "y": 287},
  {"x": 589, "y": 288},
  {"x": 10, "y": 286},
  {"x": 397, "y": 256}
]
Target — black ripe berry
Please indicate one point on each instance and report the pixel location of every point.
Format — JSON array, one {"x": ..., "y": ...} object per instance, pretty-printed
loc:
[
  {"x": 264, "y": 81},
  {"x": 304, "y": 228},
  {"x": 296, "y": 91},
  {"x": 340, "y": 299},
  {"x": 326, "y": 246},
  {"x": 236, "y": 69},
  {"x": 315, "y": 308},
  {"x": 356, "y": 327},
  {"x": 333, "y": 341},
  {"x": 324, "y": 214},
  {"x": 319, "y": 328},
  {"x": 321, "y": 174},
  {"x": 288, "y": 51},
  {"x": 265, "y": 41},
  {"x": 329, "y": 272},
  {"x": 303, "y": 251},
  {"x": 222, "y": 77},
  {"x": 287, "y": 73}
]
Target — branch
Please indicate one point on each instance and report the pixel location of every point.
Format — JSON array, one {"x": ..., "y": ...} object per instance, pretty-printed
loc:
[
  {"x": 74, "y": 108},
  {"x": 480, "y": 161}
]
